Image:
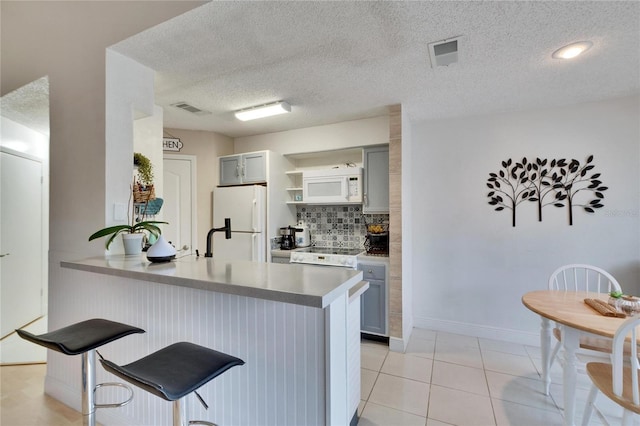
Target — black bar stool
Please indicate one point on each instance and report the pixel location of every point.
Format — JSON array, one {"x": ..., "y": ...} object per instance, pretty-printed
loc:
[
  {"x": 174, "y": 372},
  {"x": 82, "y": 339}
]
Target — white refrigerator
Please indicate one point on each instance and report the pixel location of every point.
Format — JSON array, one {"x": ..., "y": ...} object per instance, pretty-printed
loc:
[{"x": 246, "y": 207}]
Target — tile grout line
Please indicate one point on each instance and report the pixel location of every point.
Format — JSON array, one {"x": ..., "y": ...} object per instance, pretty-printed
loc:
[
  {"x": 366, "y": 402},
  {"x": 433, "y": 362},
  {"x": 486, "y": 382}
]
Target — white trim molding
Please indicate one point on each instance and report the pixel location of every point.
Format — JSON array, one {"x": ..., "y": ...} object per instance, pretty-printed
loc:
[{"x": 481, "y": 331}]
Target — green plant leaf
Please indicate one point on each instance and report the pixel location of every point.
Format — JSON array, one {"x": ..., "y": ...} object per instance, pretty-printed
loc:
[
  {"x": 113, "y": 231},
  {"x": 113, "y": 237},
  {"x": 107, "y": 231}
]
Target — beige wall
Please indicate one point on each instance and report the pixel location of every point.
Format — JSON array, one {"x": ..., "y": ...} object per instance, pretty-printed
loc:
[
  {"x": 347, "y": 134},
  {"x": 66, "y": 41},
  {"x": 207, "y": 147}
]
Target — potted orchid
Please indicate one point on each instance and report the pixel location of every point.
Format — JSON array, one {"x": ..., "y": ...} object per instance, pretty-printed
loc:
[{"x": 133, "y": 233}]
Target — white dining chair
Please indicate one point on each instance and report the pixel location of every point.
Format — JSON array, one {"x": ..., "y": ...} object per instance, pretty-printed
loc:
[
  {"x": 617, "y": 380},
  {"x": 581, "y": 277}
]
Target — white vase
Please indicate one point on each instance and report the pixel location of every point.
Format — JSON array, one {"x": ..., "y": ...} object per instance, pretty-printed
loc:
[{"x": 132, "y": 243}]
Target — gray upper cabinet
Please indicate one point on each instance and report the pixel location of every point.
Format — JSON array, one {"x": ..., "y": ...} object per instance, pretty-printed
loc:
[
  {"x": 376, "y": 179},
  {"x": 243, "y": 168},
  {"x": 254, "y": 167},
  {"x": 230, "y": 170}
]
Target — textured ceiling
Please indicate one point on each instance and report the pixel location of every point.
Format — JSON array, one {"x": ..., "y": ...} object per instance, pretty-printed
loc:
[
  {"x": 337, "y": 61},
  {"x": 29, "y": 105}
]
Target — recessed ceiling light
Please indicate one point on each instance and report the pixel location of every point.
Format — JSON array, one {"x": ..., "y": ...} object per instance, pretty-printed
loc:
[
  {"x": 265, "y": 110},
  {"x": 572, "y": 50}
]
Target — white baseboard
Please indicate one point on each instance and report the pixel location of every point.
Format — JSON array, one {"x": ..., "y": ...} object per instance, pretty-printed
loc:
[
  {"x": 474, "y": 330},
  {"x": 397, "y": 345},
  {"x": 67, "y": 395}
]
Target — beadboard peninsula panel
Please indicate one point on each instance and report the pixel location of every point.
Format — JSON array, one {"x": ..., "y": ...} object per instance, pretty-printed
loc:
[{"x": 283, "y": 345}]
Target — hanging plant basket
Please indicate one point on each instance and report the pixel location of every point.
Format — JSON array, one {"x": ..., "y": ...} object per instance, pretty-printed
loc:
[{"x": 143, "y": 194}]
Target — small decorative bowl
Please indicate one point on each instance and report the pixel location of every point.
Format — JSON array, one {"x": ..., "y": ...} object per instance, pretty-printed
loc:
[{"x": 630, "y": 305}]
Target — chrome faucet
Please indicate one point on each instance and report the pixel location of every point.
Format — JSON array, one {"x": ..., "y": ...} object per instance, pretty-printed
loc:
[{"x": 227, "y": 235}]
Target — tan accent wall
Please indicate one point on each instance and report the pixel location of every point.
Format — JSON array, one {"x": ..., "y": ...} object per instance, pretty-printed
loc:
[{"x": 395, "y": 221}]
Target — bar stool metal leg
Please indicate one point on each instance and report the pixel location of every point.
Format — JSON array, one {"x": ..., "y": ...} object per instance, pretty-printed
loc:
[
  {"x": 180, "y": 416},
  {"x": 88, "y": 388},
  {"x": 179, "y": 412}
]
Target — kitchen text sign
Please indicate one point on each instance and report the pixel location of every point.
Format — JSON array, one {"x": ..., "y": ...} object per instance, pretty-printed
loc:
[{"x": 171, "y": 144}]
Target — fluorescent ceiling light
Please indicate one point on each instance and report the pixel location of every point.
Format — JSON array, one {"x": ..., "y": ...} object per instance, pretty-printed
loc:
[
  {"x": 263, "y": 111},
  {"x": 572, "y": 50}
]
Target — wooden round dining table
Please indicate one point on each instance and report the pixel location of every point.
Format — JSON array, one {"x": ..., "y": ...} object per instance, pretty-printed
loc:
[{"x": 577, "y": 319}]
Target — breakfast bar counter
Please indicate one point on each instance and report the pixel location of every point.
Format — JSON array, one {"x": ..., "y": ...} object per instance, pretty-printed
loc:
[
  {"x": 297, "y": 327},
  {"x": 313, "y": 286}
]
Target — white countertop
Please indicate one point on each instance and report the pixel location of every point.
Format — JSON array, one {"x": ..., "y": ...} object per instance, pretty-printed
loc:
[
  {"x": 361, "y": 258},
  {"x": 307, "y": 285}
]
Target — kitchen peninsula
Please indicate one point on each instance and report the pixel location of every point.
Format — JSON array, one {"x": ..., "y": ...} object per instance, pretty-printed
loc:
[{"x": 296, "y": 327}]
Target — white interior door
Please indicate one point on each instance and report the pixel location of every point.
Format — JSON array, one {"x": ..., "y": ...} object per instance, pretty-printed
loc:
[
  {"x": 179, "y": 202},
  {"x": 21, "y": 261}
]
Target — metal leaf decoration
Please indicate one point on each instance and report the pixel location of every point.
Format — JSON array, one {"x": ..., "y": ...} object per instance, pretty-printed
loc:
[{"x": 545, "y": 182}]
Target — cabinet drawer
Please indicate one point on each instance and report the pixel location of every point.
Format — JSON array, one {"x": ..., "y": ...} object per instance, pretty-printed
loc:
[{"x": 372, "y": 272}]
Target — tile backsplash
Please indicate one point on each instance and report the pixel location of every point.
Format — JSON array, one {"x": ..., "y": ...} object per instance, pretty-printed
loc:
[{"x": 338, "y": 226}]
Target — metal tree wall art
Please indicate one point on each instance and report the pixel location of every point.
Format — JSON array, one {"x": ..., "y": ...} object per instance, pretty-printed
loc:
[
  {"x": 555, "y": 182},
  {"x": 573, "y": 179},
  {"x": 508, "y": 187}
]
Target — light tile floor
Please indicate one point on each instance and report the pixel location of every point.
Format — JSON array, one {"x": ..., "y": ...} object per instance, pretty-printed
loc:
[
  {"x": 442, "y": 379},
  {"x": 449, "y": 379}
]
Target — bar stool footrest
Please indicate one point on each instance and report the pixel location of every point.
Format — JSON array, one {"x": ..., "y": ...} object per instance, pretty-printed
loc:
[
  {"x": 115, "y": 404},
  {"x": 201, "y": 422}
]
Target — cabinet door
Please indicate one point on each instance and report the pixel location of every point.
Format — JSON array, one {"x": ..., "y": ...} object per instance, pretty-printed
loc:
[
  {"x": 254, "y": 167},
  {"x": 372, "y": 310},
  {"x": 373, "y": 302},
  {"x": 376, "y": 180},
  {"x": 230, "y": 170}
]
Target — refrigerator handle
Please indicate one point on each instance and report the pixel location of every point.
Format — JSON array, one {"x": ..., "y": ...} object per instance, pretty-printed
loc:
[
  {"x": 254, "y": 215},
  {"x": 254, "y": 247}
]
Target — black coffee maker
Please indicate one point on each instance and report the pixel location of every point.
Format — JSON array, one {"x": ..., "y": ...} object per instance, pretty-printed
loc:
[{"x": 287, "y": 238}]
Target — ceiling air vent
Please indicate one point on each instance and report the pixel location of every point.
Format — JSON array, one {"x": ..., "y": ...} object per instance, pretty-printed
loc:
[
  {"x": 190, "y": 108},
  {"x": 445, "y": 52}
]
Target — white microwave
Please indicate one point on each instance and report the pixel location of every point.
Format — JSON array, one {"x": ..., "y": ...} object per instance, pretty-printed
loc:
[{"x": 332, "y": 186}]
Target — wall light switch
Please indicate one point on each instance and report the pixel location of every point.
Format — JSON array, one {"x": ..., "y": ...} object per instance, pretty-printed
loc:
[{"x": 119, "y": 211}]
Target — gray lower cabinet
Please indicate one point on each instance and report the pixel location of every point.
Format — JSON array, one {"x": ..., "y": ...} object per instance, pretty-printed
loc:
[
  {"x": 275, "y": 259},
  {"x": 373, "y": 303},
  {"x": 376, "y": 179}
]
